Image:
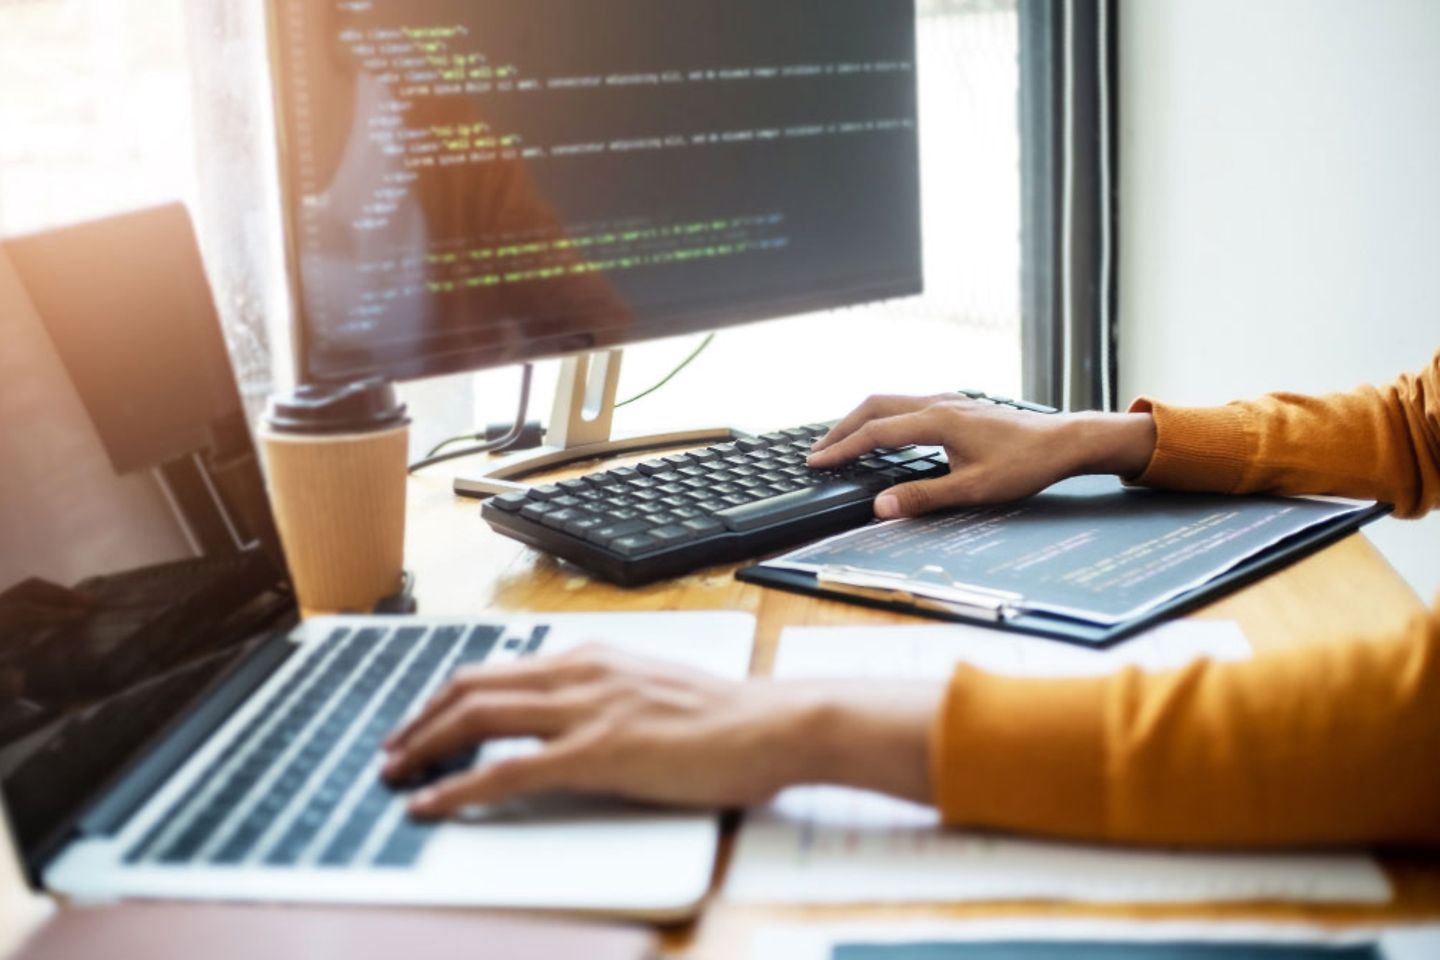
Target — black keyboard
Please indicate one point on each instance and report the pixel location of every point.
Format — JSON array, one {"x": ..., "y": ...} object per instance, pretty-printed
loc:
[
  {"x": 299, "y": 785},
  {"x": 677, "y": 513}
]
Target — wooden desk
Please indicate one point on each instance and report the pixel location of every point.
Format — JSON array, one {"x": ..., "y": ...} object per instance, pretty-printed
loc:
[{"x": 464, "y": 568}]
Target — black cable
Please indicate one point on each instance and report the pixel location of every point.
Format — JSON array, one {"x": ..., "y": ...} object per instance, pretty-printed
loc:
[
  {"x": 709, "y": 338},
  {"x": 504, "y": 443}
]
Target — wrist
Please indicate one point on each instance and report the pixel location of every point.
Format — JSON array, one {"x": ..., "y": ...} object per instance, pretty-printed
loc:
[
  {"x": 874, "y": 736},
  {"x": 1118, "y": 443}
]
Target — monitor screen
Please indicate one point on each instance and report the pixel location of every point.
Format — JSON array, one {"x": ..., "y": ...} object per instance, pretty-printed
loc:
[{"x": 471, "y": 183}]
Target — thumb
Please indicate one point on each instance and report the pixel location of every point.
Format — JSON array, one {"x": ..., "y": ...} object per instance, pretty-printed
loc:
[{"x": 921, "y": 496}]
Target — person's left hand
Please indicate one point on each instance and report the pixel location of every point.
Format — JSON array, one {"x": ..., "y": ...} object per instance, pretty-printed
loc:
[{"x": 646, "y": 730}]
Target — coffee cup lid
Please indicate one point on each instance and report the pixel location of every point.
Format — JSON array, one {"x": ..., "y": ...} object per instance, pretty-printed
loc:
[{"x": 362, "y": 405}]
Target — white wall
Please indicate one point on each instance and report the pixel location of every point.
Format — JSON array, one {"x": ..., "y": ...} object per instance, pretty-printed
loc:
[{"x": 1280, "y": 204}]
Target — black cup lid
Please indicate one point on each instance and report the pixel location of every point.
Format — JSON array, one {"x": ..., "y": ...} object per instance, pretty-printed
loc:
[{"x": 316, "y": 408}]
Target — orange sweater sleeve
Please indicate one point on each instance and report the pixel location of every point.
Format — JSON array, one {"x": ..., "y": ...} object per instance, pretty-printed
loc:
[
  {"x": 1371, "y": 444},
  {"x": 1329, "y": 745},
  {"x": 1336, "y": 744}
]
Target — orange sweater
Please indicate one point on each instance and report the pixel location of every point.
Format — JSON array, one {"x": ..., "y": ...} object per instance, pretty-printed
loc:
[{"x": 1334, "y": 744}]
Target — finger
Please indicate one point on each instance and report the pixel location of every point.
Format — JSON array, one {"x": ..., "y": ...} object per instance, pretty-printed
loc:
[
  {"x": 925, "y": 496},
  {"x": 536, "y": 674},
  {"x": 556, "y": 767},
  {"x": 897, "y": 431},
  {"x": 474, "y": 719},
  {"x": 874, "y": 408}
]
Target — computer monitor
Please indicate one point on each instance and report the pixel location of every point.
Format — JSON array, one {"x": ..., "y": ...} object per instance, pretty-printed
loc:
[{"x": 472, "y": 183}]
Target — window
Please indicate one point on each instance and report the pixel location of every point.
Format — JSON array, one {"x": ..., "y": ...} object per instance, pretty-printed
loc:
[{"x": 97, "y": 105}]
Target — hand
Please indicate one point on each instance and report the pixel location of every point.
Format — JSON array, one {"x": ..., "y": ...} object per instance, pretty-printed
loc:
[
  {"x": 996, "y": 454},
  {"x": 645, "y": 730}
]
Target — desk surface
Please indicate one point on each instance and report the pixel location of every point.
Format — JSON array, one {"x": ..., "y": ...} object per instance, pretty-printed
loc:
[{"x": 462, "y": 567}]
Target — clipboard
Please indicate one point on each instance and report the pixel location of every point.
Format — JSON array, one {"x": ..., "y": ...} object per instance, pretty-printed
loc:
[{"x": 928, "y": 592}]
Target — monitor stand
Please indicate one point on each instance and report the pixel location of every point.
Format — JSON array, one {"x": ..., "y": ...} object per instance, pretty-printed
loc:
[{"x": 580, "y": 429}]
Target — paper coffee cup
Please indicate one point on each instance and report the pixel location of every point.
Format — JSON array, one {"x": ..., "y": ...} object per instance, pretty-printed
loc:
[{"x": 335, "y": 467}]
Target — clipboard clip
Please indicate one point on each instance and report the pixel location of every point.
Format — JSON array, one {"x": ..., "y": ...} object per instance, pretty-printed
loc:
[{"x": 929, "y": 588}]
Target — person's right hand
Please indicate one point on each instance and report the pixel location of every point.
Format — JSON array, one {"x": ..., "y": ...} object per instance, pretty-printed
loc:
[{"x": 996, "y": 453}]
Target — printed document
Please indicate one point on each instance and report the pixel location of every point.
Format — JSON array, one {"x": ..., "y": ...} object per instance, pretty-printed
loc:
[
  {"x": 822, "y": 844},
  {"x": 1087, "y": 548}
]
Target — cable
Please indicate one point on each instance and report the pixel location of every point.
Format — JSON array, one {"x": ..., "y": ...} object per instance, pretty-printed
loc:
[
  {"x": 504, "y": 443},
  {"x": 709, "y": 338}
]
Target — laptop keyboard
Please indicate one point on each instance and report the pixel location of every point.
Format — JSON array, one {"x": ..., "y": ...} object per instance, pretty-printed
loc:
[{"x": 299, "y": 785}]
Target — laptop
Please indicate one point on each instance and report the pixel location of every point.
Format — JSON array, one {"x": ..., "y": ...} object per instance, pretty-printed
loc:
[{"x": 169, "y": 730}]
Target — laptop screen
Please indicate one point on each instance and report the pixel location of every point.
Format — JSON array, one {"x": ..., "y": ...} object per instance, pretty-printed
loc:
[{"x": 137, "y": 553}]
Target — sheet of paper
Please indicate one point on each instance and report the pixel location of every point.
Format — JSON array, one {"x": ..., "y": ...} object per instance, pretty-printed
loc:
[
  {"x": 838, "y": 941},
  {"x": 821, "y": 844},
  {"x": 1088, "y": 547}
]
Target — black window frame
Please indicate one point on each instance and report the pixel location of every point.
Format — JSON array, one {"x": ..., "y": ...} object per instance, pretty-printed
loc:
[{"x": 1068, "y": 122}]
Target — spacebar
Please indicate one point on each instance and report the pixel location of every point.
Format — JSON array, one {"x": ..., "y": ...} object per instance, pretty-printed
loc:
[{"x": 796, "y": 503}]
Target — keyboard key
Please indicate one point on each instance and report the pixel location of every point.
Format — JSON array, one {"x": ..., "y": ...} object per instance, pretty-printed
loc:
[
  {"x": 749, "y": 443},
  {"x": 537, "y": 637},
  {"x": 652, "y": 467},
  {"x": 632, "y": 545},
  {"x": 581, "y": 526},
  {"x": 1034, "y": 407},
  {"x": 615, "y": 531},
  {"x": 673, "y": 533},
  {"x": 903, "y": 456},
  {"x": 574, "y": 486},
  {"x": 703, "y": 525},
  {"x": 547, "y": 492},
  {"x": 511, "y": 502},
  {"x": 536, "y": 511},
  {"x": 558, "y": 518},
  {"x": 679, "y": 459},
  {"x": 787, "y": 506}
]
